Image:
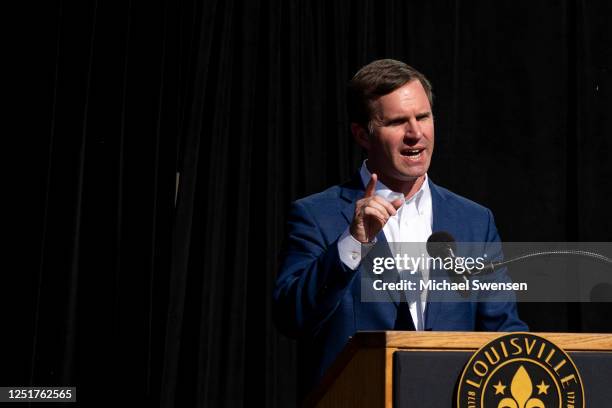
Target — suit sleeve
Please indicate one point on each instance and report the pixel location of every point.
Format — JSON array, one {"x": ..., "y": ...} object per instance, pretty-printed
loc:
[
  {"x": 499, "y": 312},
  {"x": 312, "y": 279}
]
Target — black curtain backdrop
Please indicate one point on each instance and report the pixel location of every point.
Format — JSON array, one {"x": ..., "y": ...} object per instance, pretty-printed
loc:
[{"x": 136, "y": 293}]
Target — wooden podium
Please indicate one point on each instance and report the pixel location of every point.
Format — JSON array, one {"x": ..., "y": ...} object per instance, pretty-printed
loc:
[{"x": 363, "y": 374}]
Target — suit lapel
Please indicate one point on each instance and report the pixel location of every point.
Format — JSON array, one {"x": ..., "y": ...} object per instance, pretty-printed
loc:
[{"x": 444, "y": 219}]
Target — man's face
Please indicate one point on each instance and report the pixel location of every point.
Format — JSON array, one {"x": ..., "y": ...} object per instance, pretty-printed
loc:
[{"x": 401, "y": 143}]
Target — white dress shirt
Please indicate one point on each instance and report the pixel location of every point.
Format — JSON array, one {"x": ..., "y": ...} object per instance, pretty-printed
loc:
[{"x": 412, "y": 223}]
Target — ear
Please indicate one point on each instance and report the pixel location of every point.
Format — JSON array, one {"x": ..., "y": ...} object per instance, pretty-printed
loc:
[{"x": 361, "y": 136}]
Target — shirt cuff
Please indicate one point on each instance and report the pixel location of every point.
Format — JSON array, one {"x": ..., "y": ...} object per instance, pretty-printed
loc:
[{"x": 352, "y": 251}]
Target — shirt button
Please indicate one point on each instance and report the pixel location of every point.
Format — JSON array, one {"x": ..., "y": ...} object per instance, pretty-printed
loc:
[{"x": 354, "y": 256}]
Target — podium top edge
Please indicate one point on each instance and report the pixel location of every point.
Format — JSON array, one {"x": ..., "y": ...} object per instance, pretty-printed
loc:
[{"x": 474, "y": 340}]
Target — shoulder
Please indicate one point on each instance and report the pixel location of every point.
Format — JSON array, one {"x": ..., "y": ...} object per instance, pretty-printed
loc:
[
  {"x": 460, "y": 203},
  {"x": 323, "y": 208},
  {"x": 334, "y": 198},
  {"x": 328, "y": 210},
  {"x": 320, "y": 199}
]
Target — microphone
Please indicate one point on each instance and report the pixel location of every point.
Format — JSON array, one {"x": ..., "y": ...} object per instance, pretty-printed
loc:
[
  {"x": 442, "y": 245},
  {"x": 602, "y": 292}
]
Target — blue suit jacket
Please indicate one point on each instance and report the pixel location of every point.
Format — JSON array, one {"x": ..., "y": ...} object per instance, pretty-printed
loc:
[{"x": 317, "y": 298}]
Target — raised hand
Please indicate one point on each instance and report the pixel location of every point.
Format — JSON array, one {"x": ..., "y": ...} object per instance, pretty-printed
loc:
[{"x": 372, "y": 213}]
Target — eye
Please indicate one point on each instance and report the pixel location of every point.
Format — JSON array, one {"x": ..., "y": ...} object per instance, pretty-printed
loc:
[
  {"x": 396, "y": 122},
  {"x": 423, "y": 116}
]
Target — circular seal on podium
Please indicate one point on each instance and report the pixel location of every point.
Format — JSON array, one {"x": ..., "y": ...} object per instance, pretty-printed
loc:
[{"x": 520, "y": 370}]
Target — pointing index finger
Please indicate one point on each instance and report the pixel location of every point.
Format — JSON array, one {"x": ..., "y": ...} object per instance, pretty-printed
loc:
[{"x": 371, "y": 187}]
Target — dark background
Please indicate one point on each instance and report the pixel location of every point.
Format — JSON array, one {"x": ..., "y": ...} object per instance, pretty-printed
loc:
[{"x": 134, "y": 298}]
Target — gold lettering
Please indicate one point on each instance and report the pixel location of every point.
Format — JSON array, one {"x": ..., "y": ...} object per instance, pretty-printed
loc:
[
  {"x": 514, "y": 342},
  {"x": 488, "y": 356},
  {"x": 571, "y": 399},
  {"x": 566, "y": 380},
  {"x": 561, "y": 364},
  {"x": 549, "y": 356},
  {"x": 503, "y": 346},
  {"x": 485, "y": 368},
  {"x": 473, "y": 384},
  {"x": 528, "y": 348},
  {"x": 542, "y": 347},
  {"x": 471, "y": 399}
]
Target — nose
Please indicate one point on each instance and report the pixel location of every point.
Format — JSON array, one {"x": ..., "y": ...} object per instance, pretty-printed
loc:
[{"x": 413, "y": 129}]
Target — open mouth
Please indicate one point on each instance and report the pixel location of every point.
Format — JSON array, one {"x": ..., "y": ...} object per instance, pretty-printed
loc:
[{"x": 413, "y": 154}]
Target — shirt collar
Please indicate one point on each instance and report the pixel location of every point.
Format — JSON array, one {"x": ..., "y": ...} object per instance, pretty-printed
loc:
[{"x": 422, "y": 198}]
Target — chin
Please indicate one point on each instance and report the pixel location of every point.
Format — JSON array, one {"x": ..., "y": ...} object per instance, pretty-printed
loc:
[
  {"x": 414, "y": 176},
  {"x": 413, "y": 173},
  {"x": 411, "y": 176}
]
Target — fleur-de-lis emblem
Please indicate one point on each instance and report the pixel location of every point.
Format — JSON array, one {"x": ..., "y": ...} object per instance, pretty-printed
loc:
[{"x": 521, "y": 389}]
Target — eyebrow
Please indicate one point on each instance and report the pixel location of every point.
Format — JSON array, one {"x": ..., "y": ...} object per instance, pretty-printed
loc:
[{"x": 403, "y": 117}]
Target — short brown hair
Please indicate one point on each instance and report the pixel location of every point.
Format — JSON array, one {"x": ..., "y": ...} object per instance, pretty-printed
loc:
[{"x": 376, "y": 79}]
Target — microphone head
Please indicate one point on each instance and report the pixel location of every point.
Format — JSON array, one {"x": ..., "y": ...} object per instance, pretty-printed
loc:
[
  {"x": 441, "y": 244},
  {"x": 602, "y": 292}
]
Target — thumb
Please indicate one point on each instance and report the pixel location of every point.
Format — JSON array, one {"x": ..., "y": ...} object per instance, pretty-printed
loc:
[{"x": 397, "y": 203}]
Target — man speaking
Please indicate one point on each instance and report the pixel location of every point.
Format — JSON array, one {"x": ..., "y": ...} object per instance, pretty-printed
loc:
[{"x": 317, "y": 298}]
